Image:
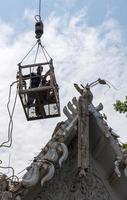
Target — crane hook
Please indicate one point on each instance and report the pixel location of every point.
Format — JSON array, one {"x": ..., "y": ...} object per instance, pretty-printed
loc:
[{"x": 39, "y": 27}]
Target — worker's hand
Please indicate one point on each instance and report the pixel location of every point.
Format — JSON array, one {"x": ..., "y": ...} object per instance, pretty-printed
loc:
[{"x": 47, "y": 73}]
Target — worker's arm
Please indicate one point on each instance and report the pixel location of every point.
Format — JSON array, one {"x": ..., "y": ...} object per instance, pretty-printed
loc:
[
  {"x": 27, "y": 76},
  {"x": 47, "y": 73}
]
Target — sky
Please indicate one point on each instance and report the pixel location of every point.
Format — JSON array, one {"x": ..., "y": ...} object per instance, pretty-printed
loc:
[{"x": 86, "y": 39}]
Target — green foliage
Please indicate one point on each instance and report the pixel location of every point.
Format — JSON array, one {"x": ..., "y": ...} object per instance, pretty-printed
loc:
[
  {"x": 121, "y": 106},
  {"x": 124, "y": 145}
]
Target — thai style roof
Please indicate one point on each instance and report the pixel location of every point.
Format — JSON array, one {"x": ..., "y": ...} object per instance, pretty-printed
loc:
[{"x": 57, "y": 171}]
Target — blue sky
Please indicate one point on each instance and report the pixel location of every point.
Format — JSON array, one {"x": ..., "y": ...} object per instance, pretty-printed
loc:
[
  {"x": 86, "y": 38},
  {"x": 96, "y": 9}
]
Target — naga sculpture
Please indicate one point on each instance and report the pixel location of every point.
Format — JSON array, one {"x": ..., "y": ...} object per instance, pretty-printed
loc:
[
  {"x": 51, "y": 170},
  {"x": 31, "y": 177},
  {"x": 55, "y": 152}
]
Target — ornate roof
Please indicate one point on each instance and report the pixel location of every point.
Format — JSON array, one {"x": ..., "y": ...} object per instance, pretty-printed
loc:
[{"x": 103, "y": 154}]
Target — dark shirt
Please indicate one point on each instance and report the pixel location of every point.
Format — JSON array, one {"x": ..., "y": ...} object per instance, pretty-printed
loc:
[{"x": 35, "y": 79}]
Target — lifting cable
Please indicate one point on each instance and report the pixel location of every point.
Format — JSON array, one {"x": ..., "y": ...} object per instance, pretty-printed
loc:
[
  {"x": 28, "y": 52},
  {"x": 36, "y": 53},
  {"x": 38, "y": 32},
  {"x": 38, "y": 17},
  {"x": 38, "y": 43},
  {"x": 39, "y": 8},
  {"x": 35, "y": 58},
  {"x": 44, "y": 53},
  {"x": 47, "y": 52}
]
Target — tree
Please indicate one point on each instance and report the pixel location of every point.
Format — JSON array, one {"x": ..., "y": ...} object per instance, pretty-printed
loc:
[{"x": 121, "y": 106}]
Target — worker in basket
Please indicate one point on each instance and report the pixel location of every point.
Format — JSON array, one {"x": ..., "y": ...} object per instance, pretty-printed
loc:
[{"x": 37, "y": 80}]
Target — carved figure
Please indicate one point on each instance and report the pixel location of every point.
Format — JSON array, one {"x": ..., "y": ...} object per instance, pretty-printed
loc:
[
  {"x": 51, "y": 170},
  {"x": 31, "y": 177},
  {"x": 55, "y": 151},
  {"x": 55, "y": 148}
]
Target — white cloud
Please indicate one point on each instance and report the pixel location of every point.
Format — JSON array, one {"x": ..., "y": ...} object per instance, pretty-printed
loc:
[
  {"x": 81, "y": 54},
  {"x": 6, "y": 33},
  {"x": 29, "y": 14},
  {"x": 78, "y": 18}
]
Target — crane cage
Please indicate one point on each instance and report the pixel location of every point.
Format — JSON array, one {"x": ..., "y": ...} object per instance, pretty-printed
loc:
[{"x": 44, "y": 98}]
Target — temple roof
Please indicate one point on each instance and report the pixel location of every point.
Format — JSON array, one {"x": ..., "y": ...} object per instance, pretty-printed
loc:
[{"x": 104, "y": 148}]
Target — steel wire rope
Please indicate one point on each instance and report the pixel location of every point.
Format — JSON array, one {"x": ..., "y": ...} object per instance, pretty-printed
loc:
[
  {"x": 38, "y": 16},
  {"x": 28, "y": 52},
  {"x": 22, "y": 170},
  {"x": 36, "y": 55},
  {"x": 47, "y": 52},
  {"x": 10, "y": 129},
  {"x": 7, "y": 168},
  {"x": 9, "y": 160},
  {"x": 11, "y": 114},
  {"x": 39, "y": 8},
  {"x": 42, "y": 47},
  {"x": 10, "y": 126}
]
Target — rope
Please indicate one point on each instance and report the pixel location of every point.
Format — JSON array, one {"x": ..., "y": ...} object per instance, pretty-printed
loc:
[
  {"x": 36, "y": 53},
  {"x": 47, "y": 52},
  {"x": 21, "y": 171},
  {"x": 7, "y": 168},
  {"x": 39, "y": 7},
  {"x": 38, "y": 17},
  {"x": 28, "y": 52},
  {"x": 13, "y": 174},
  {"x": 9, "y": 160},
  {"x": 42, "y": 47},
  {"x": 10, "y": 129},
  {"x": 35, "y": 57},
  {"x": 10, "y": 126}
]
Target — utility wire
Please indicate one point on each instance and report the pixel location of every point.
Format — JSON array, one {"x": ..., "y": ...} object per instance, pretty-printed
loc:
[
  {"x": 9, "y": 160},
  {"x": 10, "y": 126},
  {"x": 112, "y": 85},
  {"x": 10, "y": 129},
  {"x": 8, "y": 168}
]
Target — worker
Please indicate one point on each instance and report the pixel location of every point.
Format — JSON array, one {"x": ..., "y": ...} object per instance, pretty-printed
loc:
[
  {"x": 35, "y": 80},
  {"x": 35, "y": 77}
]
